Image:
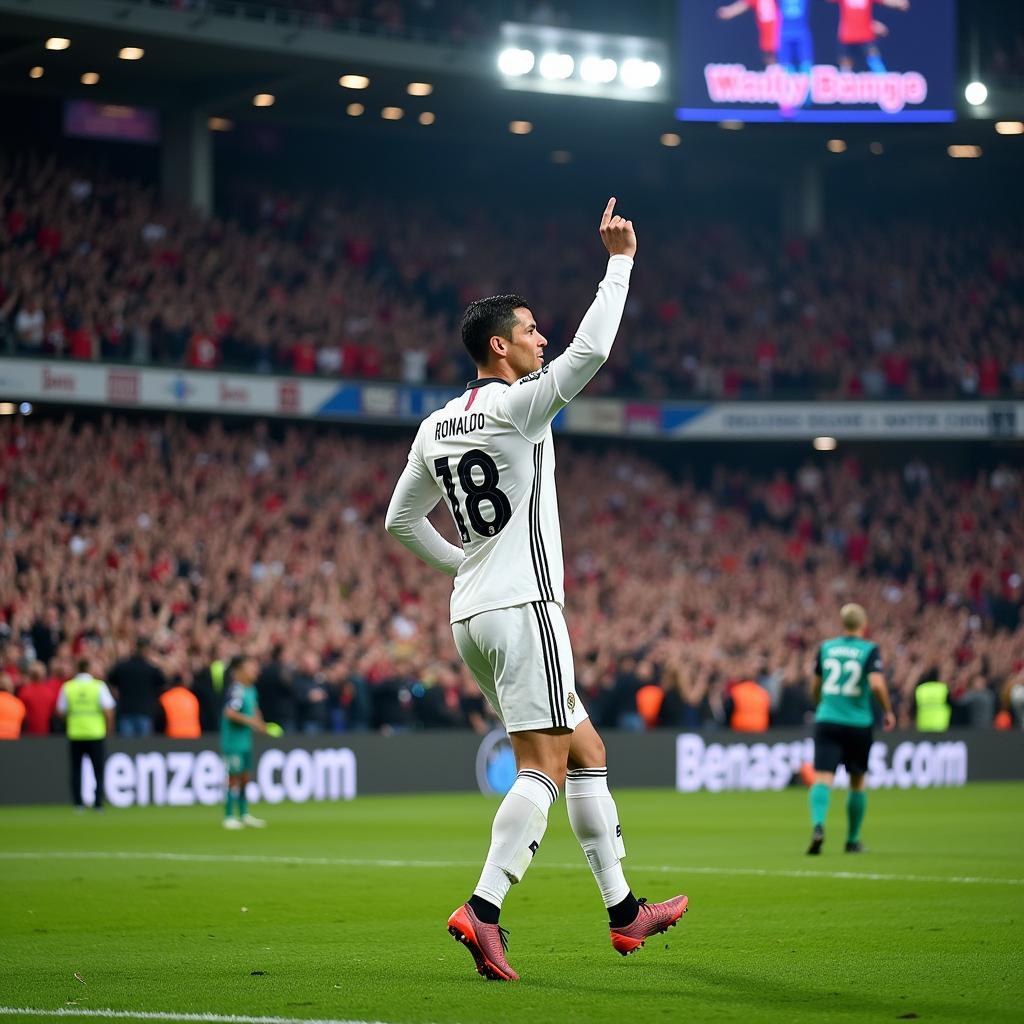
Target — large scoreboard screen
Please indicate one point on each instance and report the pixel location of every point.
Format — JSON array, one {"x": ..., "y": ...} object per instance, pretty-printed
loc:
[{"x": 817, "y": 60}]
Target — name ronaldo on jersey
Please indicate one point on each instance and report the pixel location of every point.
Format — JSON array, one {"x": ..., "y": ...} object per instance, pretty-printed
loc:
[{"x": 459, "y": 425}]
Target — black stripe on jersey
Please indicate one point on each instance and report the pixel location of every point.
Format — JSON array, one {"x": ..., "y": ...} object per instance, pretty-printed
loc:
[
  {"x": 534, "y": 498},
  {"x": 588, "y": 773},
  {"x": 540, "y": 556},
  {"x": 549, "y": 673},
  {"x": 559, "y": 689},
  {"x": 542, "y": 778}
]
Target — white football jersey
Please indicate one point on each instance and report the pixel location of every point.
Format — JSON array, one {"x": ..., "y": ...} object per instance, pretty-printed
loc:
[{"x": 489, "y": 455}]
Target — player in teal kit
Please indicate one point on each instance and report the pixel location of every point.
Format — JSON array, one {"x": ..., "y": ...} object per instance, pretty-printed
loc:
[
  {"x": 847, "y": 675},
  {"x": 239, "y": 719}
]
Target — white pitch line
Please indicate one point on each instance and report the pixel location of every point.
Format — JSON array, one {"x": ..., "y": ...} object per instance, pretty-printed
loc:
[
  {"x": 206, "y": 1018},
  {"x": 354, "y": 862}
]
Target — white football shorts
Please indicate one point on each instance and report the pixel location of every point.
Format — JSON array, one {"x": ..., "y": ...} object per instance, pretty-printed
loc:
[{"x": 521, "y": 659}]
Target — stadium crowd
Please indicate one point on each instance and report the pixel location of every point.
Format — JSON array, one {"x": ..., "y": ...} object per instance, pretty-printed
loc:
[
  {"x": 209, "y": 543},
  {"x": 436, "y": 19},
  {"x": 364, "y": 286}
]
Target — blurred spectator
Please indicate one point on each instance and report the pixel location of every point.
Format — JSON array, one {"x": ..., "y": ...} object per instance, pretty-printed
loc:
[
  {"x": 978, "y": 703},
  {"x": 137, "y": 684},
  {"x": 275, "y": 691},
  {"x": 312, "y": 696},
  {"x": 39, "y": 695}
]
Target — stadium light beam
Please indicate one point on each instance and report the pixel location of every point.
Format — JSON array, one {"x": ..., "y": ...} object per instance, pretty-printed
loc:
[
  {"x": 354, "y": 82},
  {"x": 37, "y": 72},
  {"x": 90, "y": 78},
  {"x": 976, "y": 93},
  {"x": 515, "y": 62},
  {"x": 640, "y": 74},
  {"x": 131, "y": 53},
  {"x": 556, "y": 66},
  {"x": 57, "y": 43},
  {"x": 264, "y": 99},
  {"x": 598, "y": 70},
  {"x": 1010, "y": 127},
  {"x": 825, "y": 444},
  {"x": 520, "y": 127}
]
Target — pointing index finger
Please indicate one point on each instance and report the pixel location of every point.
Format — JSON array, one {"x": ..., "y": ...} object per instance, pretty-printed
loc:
[{"x": 607, "y": 215}]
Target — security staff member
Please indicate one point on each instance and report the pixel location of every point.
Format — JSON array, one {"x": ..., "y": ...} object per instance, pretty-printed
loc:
[
  {"x": 749, "y": 707},
  {"x": 181, "y": 712},
  {"x": 933, "y": 707},
  {"x": 12, "y": 711},
  {"x": 88, "y": 706}
]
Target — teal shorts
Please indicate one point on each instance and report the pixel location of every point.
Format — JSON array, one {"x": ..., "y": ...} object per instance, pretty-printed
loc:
[{"x": 238, "y": 762}]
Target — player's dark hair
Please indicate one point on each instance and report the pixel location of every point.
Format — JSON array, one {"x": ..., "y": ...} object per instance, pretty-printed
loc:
[{"x": 486, "y": 318}]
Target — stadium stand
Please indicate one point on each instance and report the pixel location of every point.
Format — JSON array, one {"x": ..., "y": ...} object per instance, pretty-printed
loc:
[
  {"x": 212, "y": 541},
  {"x": 93, "y": 267}
]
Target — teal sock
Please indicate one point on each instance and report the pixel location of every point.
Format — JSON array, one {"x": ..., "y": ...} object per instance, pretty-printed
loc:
[
  {"x": 856, "y": 805},
  {"x": 229, "y": 803},
  {"x": 243, "y": 803},
  {"x": 820, "y": 795}
]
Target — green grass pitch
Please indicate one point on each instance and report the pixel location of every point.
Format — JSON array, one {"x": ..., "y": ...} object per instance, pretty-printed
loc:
[{"x": 338, "y": 912}]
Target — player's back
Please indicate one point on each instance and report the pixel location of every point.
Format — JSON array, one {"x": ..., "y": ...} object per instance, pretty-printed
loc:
[
  {"x": 490, "y": 456},
  {"x": 844, "y": 664},
  {"x": 499, "y": 487}
]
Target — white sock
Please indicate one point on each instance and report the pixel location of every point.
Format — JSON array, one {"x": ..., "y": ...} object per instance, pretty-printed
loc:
[
  {"x": 518, "y": 828},
  {"x": 595, "y": 821}
]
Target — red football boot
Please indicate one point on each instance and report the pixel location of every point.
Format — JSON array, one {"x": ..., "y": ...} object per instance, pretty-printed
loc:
[
  {"x": 651, "y": 919},
  {"x": 486, "y": 942}
]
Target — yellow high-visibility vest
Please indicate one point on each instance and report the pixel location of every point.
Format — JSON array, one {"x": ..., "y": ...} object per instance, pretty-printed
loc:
[
  {"x": 86, "y": 720},
  {"x": 933, "y": 710}
]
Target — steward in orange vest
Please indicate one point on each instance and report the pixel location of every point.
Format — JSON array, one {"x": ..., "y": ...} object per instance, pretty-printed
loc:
[
  {"x": 12, "y": 711},
  {"x": 181, "y": 710},
  {"x": 751, "y": 707}
]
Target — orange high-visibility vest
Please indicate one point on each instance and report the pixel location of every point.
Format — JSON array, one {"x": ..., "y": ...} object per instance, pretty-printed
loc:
[
  {"x": 649, "y": 699},
  {"x": 751, "y": 707},
  {"x": 181, "y": 708},
  {"x": 12, "y": 714}
]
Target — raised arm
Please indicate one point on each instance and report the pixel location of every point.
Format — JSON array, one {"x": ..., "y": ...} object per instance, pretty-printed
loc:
[
  {"x": 534, "y": 401},
  {"x": 415, "y": 496},
  {"x": 730, "y": 11}
]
